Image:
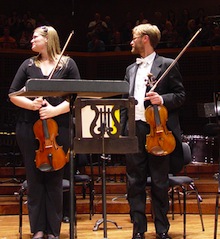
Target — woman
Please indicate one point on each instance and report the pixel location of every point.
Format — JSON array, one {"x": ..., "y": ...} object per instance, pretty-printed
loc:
[{"x": 45, "y": 194}]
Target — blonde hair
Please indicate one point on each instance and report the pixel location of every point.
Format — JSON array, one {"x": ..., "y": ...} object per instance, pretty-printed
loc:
[
  {"x": 53, "y": 42},
  {"x": 152, "y": 31}
]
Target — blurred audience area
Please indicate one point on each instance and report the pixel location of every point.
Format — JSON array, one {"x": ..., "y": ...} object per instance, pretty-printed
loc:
[{"x": 101, "y": 33}]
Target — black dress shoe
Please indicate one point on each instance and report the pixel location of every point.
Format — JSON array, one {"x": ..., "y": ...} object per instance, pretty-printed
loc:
[
  {"x": 163, "y": 235},
  {"x": 66, "y": 219},
  {"x": 138, "y": 236}
]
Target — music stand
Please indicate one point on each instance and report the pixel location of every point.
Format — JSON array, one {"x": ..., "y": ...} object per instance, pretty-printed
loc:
[
  {"x": 9, "y": 140},
  {"x": 9, "y": 143},
  {"x": 206, "y": 110},
  {"x": 103, "y": 136}
]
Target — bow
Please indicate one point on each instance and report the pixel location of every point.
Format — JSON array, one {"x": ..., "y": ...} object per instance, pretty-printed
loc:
[{"x": 140, "y": 61}]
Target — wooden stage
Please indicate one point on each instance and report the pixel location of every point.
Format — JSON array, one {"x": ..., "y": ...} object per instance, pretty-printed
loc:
[
  {"x": 117, "y": 207},
  {"x": 84, "y": 230}
]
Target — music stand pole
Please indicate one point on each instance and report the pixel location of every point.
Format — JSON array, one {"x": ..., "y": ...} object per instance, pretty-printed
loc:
[
  {"x": 217, "y": 196},
  {"x": 72, "y": 172},
  {"x": 217, "y": 131},
  {"x": 103, "y": 157},
  {"x": 104, "y": 220}
]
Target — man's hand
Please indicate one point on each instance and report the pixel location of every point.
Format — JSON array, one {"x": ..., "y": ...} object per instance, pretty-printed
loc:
[{"x": 154, "y": 98}]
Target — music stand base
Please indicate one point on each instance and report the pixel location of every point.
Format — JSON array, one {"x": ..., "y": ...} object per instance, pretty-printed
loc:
[
  {"x": 100, "y": 221},
  {"x": 104, "y": 213},
  {"x": 11, "y": 180}
]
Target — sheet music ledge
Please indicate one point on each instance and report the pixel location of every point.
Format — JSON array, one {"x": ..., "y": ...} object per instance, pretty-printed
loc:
[{"x": 65, "y": 87}]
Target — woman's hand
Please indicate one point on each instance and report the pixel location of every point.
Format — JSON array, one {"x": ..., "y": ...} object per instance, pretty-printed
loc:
[
  {"x": 47, "y": 110},
  {"x": 37, "y": 103}
]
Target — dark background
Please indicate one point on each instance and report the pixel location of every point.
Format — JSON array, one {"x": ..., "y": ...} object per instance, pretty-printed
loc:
[
  {"x": 68, "y": 15},
  {"x": 200, "y": 67}
]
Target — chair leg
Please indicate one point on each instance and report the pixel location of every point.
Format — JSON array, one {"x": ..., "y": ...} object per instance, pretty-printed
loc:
[
  {"x": 198, "y": 197},
  {"x": 84, "y": 190},
  {"x": 184, "y": 211},
  {"x": 91, "y": 200},
  {"x": 21, "y": 194},
  {"x": 192, "y": 186},
  {"x": 179, "y": 202},
  {"x": 172, "y": 202},
  {"x": 173, "y": 190}
]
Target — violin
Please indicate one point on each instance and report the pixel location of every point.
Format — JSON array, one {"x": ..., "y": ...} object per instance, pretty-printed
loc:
[
  {"x": 50, "y": 156},
  {"x": 160, "y": 141}
]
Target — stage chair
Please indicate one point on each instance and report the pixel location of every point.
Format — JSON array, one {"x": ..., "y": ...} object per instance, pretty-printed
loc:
[
  {"x": 86, "y": 182},
  {"x": 185, "y": 185},
  {"x": 82, "y": 179}
]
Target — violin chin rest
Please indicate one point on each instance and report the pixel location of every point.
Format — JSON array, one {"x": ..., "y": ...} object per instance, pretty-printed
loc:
[
  {"x": 158, "y": 151},
  {"x": 45, "y": 167}
]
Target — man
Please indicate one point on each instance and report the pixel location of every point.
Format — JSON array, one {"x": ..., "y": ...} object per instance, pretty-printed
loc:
[
  {"x": 7, "y": 41},
  {"x": 170, "y": 93}
]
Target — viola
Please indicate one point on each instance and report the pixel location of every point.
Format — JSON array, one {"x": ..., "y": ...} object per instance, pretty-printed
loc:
[
  {"x": 160, "y": 141},
  {"x": 50, "y": 156}
]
